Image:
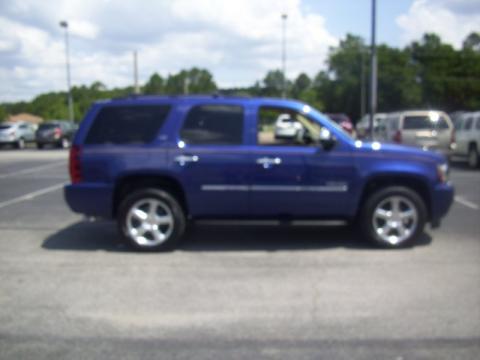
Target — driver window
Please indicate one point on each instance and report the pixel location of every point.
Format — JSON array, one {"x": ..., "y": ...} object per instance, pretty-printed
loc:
[{"x": 285, "y": 127}]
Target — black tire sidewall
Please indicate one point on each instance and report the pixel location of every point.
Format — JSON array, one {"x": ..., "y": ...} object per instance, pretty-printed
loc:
[
  {"x": 375, "y": 198},
  {"x": 473, "y": 150},
  {"x": 177, "y": 212}
]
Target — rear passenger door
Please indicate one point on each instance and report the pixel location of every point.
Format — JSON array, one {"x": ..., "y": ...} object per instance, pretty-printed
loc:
[{"x": 211, "y": 161}]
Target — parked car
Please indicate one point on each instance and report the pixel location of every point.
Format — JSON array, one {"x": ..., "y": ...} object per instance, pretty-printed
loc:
[
  {"x": 152, "y": 163},
  {"x": 344, "y": 121},
  {"x": 57, "y": 133},
  {"x": 286, "y": 127},
  {"x": 16, "y": 134},
  {"x": 363, "y": 125},
  {"x": 468, "y": 138},
  {"x": 430, "y": 130}
]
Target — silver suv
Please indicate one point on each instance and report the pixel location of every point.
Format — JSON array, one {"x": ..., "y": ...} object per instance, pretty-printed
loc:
[
  {"x": 430, "y": 130},
  {"x": 468, "y": 138},
  {"x": 17, "y": 134}
]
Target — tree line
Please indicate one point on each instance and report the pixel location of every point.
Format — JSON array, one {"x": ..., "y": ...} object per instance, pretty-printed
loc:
[{"x": 424, "y": 74}]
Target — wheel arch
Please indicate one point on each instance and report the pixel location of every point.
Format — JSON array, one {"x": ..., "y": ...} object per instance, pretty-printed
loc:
[
  {"x": 414, "y": 183},
  {"x": 129, "y": 183}
]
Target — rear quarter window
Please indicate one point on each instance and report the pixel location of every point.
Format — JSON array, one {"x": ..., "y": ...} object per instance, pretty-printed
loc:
[{"x": 127, "y": 124}]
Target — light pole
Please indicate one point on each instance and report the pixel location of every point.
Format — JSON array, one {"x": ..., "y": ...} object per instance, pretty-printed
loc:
[
  {"x": 64, "y": 25},
  {"x": 284, "y": 55},
  {"x": 373, "y": 69}
]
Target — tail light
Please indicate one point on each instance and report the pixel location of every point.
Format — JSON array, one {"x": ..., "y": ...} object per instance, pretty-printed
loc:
[
  {"x": 74, "y": 165},
  {"x": 452, "y": 137},
  {"x": 57, "y": 132},
  {"x": 397, "y": 137},
  {"x": 346, "y": 126}
]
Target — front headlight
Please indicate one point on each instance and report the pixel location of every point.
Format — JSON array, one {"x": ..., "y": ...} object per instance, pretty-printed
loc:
[{"x": 443, "y": 172}]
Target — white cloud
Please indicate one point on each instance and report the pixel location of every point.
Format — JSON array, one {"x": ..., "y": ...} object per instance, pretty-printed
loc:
[
  {"x": 237, "y": 41},
  {"x": 453, "y": 20}
]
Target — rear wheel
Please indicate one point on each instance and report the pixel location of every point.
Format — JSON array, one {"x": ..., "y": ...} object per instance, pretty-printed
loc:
[
  {"x": 473, "y": 158},
  {"x": 393, "y": 217},
  {"x": 20, "y": 144},
  {"x": 151, "y": 220}
]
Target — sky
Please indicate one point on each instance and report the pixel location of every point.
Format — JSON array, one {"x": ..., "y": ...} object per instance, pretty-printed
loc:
[{"x": 238, "y": 41}]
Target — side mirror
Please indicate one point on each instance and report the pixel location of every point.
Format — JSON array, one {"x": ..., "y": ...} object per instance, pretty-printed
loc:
[{"x": 326, "y": 139}]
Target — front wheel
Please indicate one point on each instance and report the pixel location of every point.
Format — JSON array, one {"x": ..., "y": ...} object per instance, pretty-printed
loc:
[
  {"x": 473, "y": 158},
  {"x": 151, "y": 220},
  {"x": 393, "y": 217}
]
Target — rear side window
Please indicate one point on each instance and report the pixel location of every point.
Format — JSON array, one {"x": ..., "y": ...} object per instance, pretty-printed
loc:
[
  {"x": 477, "y": 126},
  {"x": 127, "y": 124},
  {"x": 417, "y": 123},
  {"x": 468, "y": 124},
  {"x": 47, "y": 126},
  {"x": 213, "y": 125},
  {"x": 442, "y": 124}
]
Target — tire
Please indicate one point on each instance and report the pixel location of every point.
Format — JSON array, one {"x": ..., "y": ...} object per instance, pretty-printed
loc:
[
  {"x": 39, "y": 146},
  {"x": 401, "y": 224},
  {"x": 20, "y": 144},
  {"x": 473, "y": 157},
  {"x": 64, "y": 143},
  {"x": 157, "y": 217}
]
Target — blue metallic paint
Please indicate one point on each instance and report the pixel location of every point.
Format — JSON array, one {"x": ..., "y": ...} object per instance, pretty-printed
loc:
[{"x": 349, "y": 163}]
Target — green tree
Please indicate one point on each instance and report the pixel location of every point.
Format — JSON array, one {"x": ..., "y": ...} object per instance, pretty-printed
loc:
[
  {"x": 193, "y": 81},
  {"x": 301, "y": 84},
  {"x": 154, "y": 85},
  {"x": 273, "y": 83},
  {"x": 472, "y": 41}
]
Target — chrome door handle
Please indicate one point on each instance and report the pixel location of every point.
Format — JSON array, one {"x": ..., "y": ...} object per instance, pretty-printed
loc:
[
  {"x": 267, "y": 162},
  {"x": 184, "y": 159}
]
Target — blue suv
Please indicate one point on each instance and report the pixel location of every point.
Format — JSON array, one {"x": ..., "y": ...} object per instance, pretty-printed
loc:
[{"x": 153, "y": 163}]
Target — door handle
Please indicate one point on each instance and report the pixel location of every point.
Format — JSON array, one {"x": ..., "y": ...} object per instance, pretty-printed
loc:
[
  {"x": 267, "y": 162},
  {"x": 184, "y": 159}
]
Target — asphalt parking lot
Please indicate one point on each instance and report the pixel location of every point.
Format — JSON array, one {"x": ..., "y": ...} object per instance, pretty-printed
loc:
[{"x": 69, "y": 289}]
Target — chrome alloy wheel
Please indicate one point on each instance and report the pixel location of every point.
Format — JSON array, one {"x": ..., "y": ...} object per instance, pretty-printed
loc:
[
  {"x": 395, "y": 219},
  {"x": 149, "y": 222}
]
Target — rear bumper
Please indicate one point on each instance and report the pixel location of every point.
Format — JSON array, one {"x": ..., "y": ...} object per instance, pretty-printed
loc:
[
  {"x": 90, "y": 199},
  {"x": 442, "y": 199}
]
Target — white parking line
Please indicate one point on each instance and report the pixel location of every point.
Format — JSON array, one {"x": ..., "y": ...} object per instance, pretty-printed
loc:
[
  {"x": 31, "y": 170},
  {"x": 466, "y": 203},
  {"x": 31, "y": 195}
]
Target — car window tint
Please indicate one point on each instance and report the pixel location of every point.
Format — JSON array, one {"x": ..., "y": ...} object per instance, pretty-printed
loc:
[
  {"x": 213, "y": 125},
  {"x": 127, "y": 124},
  {"x": 47, "y": 126},
  {"x": 417, "y": 123},
  {"x": 468, "y": 124},
  {"x": 442, "y": 124},
  {"x": 477, "y": 126}
]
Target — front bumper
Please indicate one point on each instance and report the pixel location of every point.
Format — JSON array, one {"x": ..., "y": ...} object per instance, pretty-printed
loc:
[
  {"x": 90, "y": 199},
  {"x": 442, "y": 199}
]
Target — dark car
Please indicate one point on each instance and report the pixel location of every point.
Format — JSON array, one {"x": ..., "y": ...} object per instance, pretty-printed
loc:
[
  {"x": 152, "y": 163},
  {"x": 343, "y": 120},
  {"x": 56, "y": 133}
]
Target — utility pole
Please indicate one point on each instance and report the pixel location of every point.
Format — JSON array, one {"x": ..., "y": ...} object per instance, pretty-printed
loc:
[
  {"x": 373, "y": 69},
  {"x": 186, "y": 85},
  {"x": 64, "y": 25},
  {"x": 284, "y": 55},
  {"x": 362, "y": 84},
  {"x": 136, "y": 89}
]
